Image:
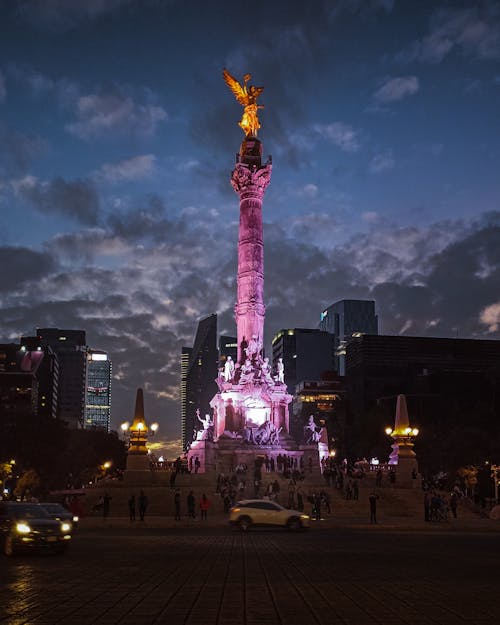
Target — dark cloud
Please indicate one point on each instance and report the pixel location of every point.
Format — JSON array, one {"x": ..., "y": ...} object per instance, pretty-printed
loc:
[
  {"x": 21, "y": 267},
  {"x": 146, "y": 220},
  {"x": 471, "y": 30},
  {"x": 436, "y": 280},
  {"x": 64, "y": 15},
  {"x": 18, "y": 151},
  {"x": 77, "y": 199}
]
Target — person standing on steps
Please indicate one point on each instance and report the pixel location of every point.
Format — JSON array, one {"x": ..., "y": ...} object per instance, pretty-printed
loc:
[
  {"x": 177, "y": 505},
  {"x": 427, "y": 505},
  {"x": 204, "y": 506},
  {"x": 131, "y": 508},
  {"x": 454, "y": 504},
  {"x": 191, "y": 505},
  {"x": 105, "y": 505},
  {"x": 373, "y": 507},
  {"x": 143, "y": 505}
]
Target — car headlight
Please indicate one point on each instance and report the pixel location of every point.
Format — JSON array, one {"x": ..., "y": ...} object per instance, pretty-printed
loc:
[
  {"x": 304, "y": 516},
  {"x": 235, "y": 509},
  {"x": 65, "y": 527},
  {"x": 23, "y": 528},
  {"x": 75, "y": 519}
]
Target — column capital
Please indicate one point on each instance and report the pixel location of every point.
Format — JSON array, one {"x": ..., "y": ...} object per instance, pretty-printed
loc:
[{"x": 248, "y": 179}]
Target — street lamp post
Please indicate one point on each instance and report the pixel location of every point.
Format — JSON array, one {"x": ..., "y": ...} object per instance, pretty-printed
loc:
[
  {"x": 495, "y": 474},
  {"x": 402, "y": 453}
]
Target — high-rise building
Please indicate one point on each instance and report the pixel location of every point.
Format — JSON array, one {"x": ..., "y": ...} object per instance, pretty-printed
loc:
[
  {"x": 185, "y": 360},
  {"x": 200, "y": 377},
  {"x": 448, "y": 383},
  {"x": 71, "y": 351},
  {"x": 307, "y": 354},
  {"x": 98, "y": 390},
  {"x": 228, "y": 346},
  {"x": 18, "y": 384},
  {"x": 47, "y": 375},
  {"x": 345, "y": 319},
  {"x": 325, "y": 401}
]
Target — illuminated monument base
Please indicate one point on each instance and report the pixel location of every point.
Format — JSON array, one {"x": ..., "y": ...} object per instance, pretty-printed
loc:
[{"x": 251, "y": 421}]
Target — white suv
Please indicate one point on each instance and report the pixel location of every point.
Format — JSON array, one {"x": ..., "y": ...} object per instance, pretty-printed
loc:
[{"x": 250, "y": 512}]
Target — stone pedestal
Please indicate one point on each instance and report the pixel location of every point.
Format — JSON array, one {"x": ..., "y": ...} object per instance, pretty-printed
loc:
[
  {"x": 205, "y": 452},
  {"x": 311, "y": 457},
  {"x": 405, "y": 469}
]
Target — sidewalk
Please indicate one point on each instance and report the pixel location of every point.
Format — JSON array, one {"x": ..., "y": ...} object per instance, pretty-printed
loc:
[{"x": 327, "y": 522}]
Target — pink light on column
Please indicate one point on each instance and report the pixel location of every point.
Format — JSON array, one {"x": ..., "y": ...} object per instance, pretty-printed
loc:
[{"x": 250, "y": 179}]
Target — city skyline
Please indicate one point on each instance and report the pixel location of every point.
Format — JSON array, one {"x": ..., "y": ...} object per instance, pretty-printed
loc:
[{"x": 117, "y": 215}]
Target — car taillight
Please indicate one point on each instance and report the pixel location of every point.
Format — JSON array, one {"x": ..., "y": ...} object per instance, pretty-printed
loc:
[{"x": 235, "y": 509}]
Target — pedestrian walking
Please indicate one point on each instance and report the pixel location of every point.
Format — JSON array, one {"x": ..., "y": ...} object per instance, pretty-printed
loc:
[
  {"x": 392, "y": 477},
  {"x": 291, "y": 494},
  {"x": 300, "y": 500},
  {"x": 378, "y": 478},
  {"x": 317, "y": 506},
  {"x": 355, "y": 490},
  {"x": 143, "y": 505},
  {"x": 173, "y": 475},
  {"x": 427, "y": 505},
  {"x": 197, "y": 464},
  {"x": 105, "y": 505},
  {"x": 204, "y": 506},
  {"x": 373, "y": 507},
  {"x": 131, "y": 507},
  {"x": 191, "y": 505},
  {"x": 454, "y": 504},
  {"x": 177, "y": 505}
]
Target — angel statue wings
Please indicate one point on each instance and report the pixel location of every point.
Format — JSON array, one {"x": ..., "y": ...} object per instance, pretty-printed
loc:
[{"x": 247, "y": 96}]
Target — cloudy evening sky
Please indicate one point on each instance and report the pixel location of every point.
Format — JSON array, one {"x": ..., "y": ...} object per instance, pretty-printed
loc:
[{"x": 117, "y": 140}]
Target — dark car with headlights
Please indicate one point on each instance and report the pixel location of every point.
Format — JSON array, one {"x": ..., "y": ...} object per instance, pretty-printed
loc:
[
  {"x": 60, "y": 513},
  {"x": 28, "y": 527}
]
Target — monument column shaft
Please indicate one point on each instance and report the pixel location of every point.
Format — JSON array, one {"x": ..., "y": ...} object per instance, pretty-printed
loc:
[
  {"x": 250, "y": 179},
  {"x": 250, "y": 309}
]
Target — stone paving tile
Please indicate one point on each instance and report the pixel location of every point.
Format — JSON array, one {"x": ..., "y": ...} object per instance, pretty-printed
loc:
[{"x": 264, "y": 578}]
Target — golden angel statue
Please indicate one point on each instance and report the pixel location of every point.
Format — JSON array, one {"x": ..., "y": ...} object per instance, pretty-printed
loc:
[{"x": 247, "y": 97}]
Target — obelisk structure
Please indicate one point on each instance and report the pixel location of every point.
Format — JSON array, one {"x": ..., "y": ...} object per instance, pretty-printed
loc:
[
  {"x": 402, "y": 454},
  {"x": 137, "y": 455},
  {"x": 250, "y": 179}
]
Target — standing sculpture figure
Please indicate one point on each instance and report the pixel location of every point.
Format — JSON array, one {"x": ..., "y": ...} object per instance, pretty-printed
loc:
[
  {"x": 281, "y": 371},
  {"x": 266, "y": 370},
  {"x": 228, "y": 369},
  {"x": 246, "y": 372},
  {"x": 247, "y": 97}
]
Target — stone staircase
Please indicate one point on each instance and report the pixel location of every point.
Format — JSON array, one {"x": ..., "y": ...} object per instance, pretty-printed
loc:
[{"x": 394, "y": 504}]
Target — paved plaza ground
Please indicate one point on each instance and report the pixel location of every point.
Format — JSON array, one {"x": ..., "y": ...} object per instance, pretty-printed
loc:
[{"x": 211, "y": 574}]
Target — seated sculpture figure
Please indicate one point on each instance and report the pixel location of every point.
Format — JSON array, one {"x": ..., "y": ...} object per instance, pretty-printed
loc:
[
  {"x": 312, "y": 432},
  {"x": 266, "y": 434},
  {"x": 246, "y": 372},
  {"x": 254, "y": 347}
]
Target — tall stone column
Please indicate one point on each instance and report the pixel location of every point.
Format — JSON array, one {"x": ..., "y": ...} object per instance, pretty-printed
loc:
[{"x": 250, "y": 179}]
